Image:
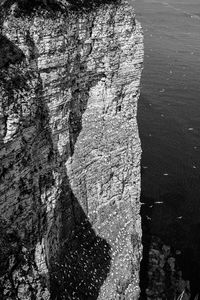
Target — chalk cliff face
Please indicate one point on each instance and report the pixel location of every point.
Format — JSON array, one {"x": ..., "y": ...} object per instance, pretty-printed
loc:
[{"x": 70, "y": 154}]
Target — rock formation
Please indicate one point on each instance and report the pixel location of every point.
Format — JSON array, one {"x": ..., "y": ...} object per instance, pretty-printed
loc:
[
  {"x": 70, "y": 153},
  {"x": 163, "y": 277}
]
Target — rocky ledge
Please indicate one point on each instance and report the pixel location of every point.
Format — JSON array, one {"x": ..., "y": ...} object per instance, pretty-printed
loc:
[{"x": 70, "y": 152}]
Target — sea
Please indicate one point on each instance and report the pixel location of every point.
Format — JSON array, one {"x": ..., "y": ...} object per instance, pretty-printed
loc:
[{"x": 169, "y": 125}]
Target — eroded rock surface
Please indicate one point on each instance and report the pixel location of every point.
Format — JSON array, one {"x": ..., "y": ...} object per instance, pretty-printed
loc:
[{"x": 70, "y": 154}]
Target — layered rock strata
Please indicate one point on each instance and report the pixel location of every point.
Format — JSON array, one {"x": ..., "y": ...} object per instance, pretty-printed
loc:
[{"x": 70, "y": 154}]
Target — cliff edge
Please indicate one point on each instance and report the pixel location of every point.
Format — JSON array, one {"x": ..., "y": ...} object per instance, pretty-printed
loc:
[{"x": 70, "y": 153}]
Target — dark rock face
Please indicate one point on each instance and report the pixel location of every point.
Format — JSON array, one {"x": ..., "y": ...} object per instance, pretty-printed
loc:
[
  {"x": 58, "y": 4},
  {"x": 70, "y": 154}
]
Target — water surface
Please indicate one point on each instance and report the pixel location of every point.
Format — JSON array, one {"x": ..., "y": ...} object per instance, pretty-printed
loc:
[{"x": 169, "y": 120}]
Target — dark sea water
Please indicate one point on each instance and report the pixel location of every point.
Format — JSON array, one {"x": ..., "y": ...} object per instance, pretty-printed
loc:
[{"x": 169, "y": 123}]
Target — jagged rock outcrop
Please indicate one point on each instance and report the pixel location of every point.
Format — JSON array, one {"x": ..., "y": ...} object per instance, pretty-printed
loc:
[{"x": 70, "y": 154}]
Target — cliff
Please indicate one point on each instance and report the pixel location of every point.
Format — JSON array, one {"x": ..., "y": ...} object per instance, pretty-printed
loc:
[{"x": 70, "y": 153}]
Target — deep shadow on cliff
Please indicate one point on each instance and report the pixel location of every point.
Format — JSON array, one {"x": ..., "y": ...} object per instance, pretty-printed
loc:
[
  {"x": 26, "y": 6},
  {"x": 81, "y": 261}
]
